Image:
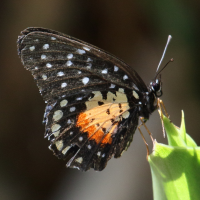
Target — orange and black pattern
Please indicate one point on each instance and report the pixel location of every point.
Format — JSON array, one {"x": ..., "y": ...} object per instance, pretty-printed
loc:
[{"x": 93, "y": 99}]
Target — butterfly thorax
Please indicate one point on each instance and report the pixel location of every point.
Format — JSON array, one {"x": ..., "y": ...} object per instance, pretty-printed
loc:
[{"x": 148, "y": 103}]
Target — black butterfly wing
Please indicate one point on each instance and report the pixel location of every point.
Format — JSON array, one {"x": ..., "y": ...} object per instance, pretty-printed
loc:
[{"x": 91, "y": 112}]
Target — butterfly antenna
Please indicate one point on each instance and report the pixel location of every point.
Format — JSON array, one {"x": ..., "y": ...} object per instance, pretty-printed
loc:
[
  {"x": 163, "y": 55},
  {"x": 171, "y": 60}
]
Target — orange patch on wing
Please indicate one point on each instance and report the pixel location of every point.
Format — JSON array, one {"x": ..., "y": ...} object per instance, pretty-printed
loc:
[
  {"x": 107, "y": 139},
  {"x": 82, "y": 121},
  {"x": 93, "y": 132},
  {"x": 97, "y": 120},
  {"x": 98, "y": 136}
]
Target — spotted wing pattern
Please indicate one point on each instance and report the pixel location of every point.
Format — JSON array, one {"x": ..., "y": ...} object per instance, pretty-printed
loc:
[{"x": 92, "y": 96}]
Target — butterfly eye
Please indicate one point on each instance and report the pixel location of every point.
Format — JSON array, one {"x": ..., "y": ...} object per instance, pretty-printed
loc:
[{"x": 157, "y": 85}]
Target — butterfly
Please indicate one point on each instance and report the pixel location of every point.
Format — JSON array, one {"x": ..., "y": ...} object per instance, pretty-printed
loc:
[{"x": 93, "y": 99}]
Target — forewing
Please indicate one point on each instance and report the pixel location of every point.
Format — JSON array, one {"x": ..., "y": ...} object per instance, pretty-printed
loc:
[
  {"x": 88, "y": 94},
  {"x": 54, "y": 58}
]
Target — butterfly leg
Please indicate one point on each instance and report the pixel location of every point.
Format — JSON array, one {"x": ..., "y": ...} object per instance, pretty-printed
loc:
[
  {"x": 143, "y": 124},
  {"x": 147, "y": 146},
  {"x": 161, "y": 107}
]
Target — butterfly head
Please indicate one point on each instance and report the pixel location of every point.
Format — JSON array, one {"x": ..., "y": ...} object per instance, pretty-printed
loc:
[{"x": 156, "y": 87}]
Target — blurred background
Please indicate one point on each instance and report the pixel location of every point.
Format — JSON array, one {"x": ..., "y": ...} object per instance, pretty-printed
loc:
[{"x": 135, "y": 31}]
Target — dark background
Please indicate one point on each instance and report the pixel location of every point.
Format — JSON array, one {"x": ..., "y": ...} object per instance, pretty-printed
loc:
[{"x": 135, "y": 31}]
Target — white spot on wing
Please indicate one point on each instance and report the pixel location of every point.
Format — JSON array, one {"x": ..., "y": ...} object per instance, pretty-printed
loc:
[
  {"x": 126, "y": 114},
  {"x": 44, "y": 77},
  {"x": 125, "y": 77},
  {"x": 45, "y": 46},
  {"x": 56, "y": 133},
  {"x": 89, "y": 60},
  {"x": 71, "y": 133},
  {"x": 85, "y": 80},
  {"x": 63, "y": 103},
  {"x": 72, "y": 109},
  {"x": 79, "y": 72},
  {"x": 49, "y": 65},
  {"x": 116, "y": 68},
  {"x": 79, "y": 98},
  {"x": 63, "y": 85},
  {"x": 103, "y": 155},
  {"x": 105, "y": 71},
  {"x": 32, "y": 48},
  {"x": 60, "y": 74},
  {"x": 89, "y": 146},
  {"x": 69, "y": 63},
  {"x": 121, "y": 90},
  {"x": 89, "y": 65},
  {"x": 65, "y": 150},
  {"x": 55, "y": 127},
  {"x": 79, "y": 160},
  {"x": 57, "y": 115},
  {"x": 69, "y": 121},
  {"x": 86, "y": 48},
  {"x": 80, "y": 138},
  {"x": 112, "y": 86},
  {"x": 135, "y": 94},
  {"x": 80, "y": 51},
  {"x": 36, "y": 68},
  {"x": 53, "y": 38},
  {"x": 43, "y": 56},
  {"x": 59, "y": 145},
  {"x": 121, "y": 97},
  {"x": 70, "y": 56},
  {"x": 98, "y": 153}
]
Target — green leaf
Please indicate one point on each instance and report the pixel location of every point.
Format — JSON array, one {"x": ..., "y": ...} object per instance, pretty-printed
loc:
[
  {"x": 175, "y": 168},
  {"x": 188, "y": 140}
]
